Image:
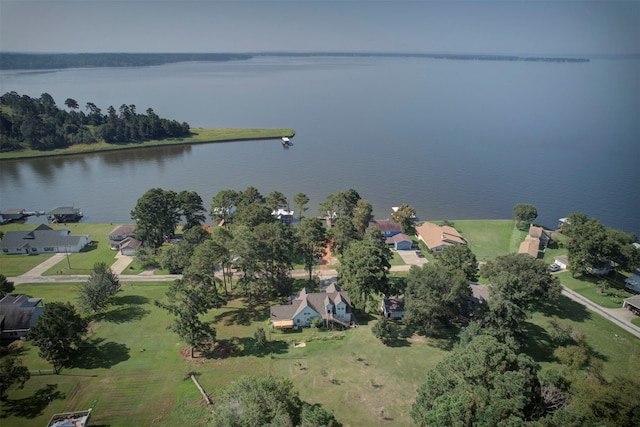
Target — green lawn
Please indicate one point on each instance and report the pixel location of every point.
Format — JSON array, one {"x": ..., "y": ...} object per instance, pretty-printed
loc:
[
  {"x": 134, "y": 387},
  {"x": 15, "y": 265},
  {"x": 81, "y": 262},
  {"x": 587, "y": 286},
  {"x": 490, "y": 238}
]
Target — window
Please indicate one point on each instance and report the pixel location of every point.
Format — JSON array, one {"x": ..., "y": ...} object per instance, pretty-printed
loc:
[
  {"x": 5, "y": 250},
  {"x": 34, "y": 250},
  {"x": 49, "y": 249}
]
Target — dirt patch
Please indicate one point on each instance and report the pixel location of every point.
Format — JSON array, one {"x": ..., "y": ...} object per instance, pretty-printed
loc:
[
  {"x": 328, "y": 258},
  {"x": 417, "y": 339}
]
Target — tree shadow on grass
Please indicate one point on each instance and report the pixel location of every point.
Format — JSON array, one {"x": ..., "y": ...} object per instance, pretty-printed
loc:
[
  {"x": 566, "y": 308},
  {"x": 243, "y": 316},
  {"x": 130, "y": 300},
  {"x": 96, "y": 354},
  {"x": 33, "y": 406},
  {"x": 538, "y": 343},
  {"x": 121, "y": 314}
]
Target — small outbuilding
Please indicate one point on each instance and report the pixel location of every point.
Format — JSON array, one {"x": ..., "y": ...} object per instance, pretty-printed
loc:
[
  {"x": 562, "y": 261},
  {"x": 632, "y": 304},
  {"x": 393, "y": 307}
]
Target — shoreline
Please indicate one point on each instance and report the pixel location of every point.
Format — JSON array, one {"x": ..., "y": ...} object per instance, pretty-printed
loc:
[{"x": 199, "y": 136}]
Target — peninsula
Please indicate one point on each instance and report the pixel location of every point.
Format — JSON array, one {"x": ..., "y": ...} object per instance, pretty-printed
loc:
[
  {"x": 37, "y": 127},
  {"x": 197, "y": 136}
]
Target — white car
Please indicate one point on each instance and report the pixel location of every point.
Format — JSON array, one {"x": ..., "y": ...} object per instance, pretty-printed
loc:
[{"x": 554, "y": 268}]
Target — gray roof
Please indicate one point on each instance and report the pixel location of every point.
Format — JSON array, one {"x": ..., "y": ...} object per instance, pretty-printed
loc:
[
  {"x": 66, "y": 210},
  {"x": 393, "y": 304},
  {"x": 314, "y": 300},
  {"x": 43, "y": 236},
  {"x": 634, "y": 301},
  {"x": 19, "y": 312}
]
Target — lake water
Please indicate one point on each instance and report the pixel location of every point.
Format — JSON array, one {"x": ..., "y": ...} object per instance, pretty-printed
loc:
[{"x": 454, "y": 139}]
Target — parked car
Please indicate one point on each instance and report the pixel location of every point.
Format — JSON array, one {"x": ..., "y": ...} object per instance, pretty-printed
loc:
[
  {"x": 554, "y": 268},
  {"x": 420, "y": 254}
]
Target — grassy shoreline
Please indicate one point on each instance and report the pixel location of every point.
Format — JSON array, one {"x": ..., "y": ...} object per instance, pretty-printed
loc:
[{"x": 198, "y": 136}]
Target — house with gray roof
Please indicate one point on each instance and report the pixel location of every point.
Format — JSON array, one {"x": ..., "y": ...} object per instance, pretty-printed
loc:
[
  {"x": 331, "y": 304},
  {"x": 17, "y": 315},
  {"x": 42, "y": 240}
]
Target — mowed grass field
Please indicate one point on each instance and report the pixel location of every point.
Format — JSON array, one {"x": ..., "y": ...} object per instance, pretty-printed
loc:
[
  {"x": 133, "y": 372},
  {"x": 81, "y": 262}
]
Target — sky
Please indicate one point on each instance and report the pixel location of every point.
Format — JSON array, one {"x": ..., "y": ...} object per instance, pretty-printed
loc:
[{"x": 571, "y": 27}]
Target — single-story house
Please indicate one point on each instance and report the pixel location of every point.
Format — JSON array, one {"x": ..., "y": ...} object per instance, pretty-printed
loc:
[
  {"x": 562, "y": 261},
  {"x": 632, "y": 304},
  {"x": 119, "y": 234},
  {"x": 65, "y": 214},
  {"x": 17, "y": 315},
  {"x": 41, "y": 240},
  {"x": 387, "y": 227},
  {"x": 393, "y": 307},
  {"x": 537, "y": 240},
  {"x": 332, "y": 304},
  {"x": 632, "y": 283},
  {"x": 439, "y": 237},
  {"x": 400, "y": 242}
]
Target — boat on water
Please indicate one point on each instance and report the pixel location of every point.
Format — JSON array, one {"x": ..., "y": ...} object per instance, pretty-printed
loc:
[{"x": 286, "y": 142}]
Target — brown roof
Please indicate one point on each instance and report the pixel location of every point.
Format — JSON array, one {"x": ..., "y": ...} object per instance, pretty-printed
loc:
[
  {"x": 538, "y": 232},
  {"x": 314, "y": 300},
  {"x": 435, "y": 235},
  {"x": 530, "y": 246},
  {"x": 386, "y": 226},
  {"x": 123, "y": 230}
]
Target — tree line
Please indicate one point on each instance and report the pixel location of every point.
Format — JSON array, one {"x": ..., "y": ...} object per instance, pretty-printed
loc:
[{"x": 39, "y": 124}]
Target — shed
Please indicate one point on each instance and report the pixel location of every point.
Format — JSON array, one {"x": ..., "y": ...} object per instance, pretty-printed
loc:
[
  {"x": 632, "y": 304},
  {"x": 393, "y": 308}
]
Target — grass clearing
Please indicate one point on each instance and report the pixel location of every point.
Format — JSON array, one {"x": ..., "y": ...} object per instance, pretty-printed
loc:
[
  {"x": 133, "y": 370},
  {"x": 198, "y": 136},
  {"x": 489, "y": 239},
  {"x": 587, "y": 286}
]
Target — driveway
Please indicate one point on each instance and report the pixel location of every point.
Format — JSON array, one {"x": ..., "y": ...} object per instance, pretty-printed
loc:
[{"x": 410, "y": 258}]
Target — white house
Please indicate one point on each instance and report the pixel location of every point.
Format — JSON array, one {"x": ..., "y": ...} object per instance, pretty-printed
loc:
[
  {"x": 42, "y": 240},
  {"x": 18, "y": 314},
  {"x": 332, "y": 304}
]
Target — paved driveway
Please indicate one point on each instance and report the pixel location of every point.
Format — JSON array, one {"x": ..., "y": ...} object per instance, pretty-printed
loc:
[{"x": 410, "y": 257}]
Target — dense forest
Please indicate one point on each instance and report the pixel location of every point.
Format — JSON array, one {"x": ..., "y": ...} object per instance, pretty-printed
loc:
[
  {"x": 49, "y": 61},
  {"x": 38, "y": 124},
  {"x": 52, "y": 61}
]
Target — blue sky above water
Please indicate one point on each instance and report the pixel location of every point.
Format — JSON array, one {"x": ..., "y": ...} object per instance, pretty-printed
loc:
[{"x": 489, "y": 27}]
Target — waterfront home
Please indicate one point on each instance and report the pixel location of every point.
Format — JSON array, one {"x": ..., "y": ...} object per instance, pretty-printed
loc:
[
  {"x": 119, "y": 234},
  {"x": 387, "y": 227},
  {"x": 331, "y": 304},
  {"x": 42, "y": 240},
  {"x": 439, "y": 237},
  {"x": 536, "y": 241}
]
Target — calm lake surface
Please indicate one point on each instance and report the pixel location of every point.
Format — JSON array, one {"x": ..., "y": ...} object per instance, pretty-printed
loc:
[{"x": 454, "y": 139}]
